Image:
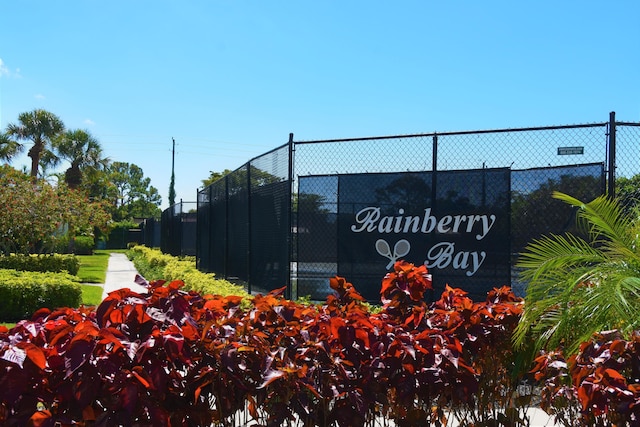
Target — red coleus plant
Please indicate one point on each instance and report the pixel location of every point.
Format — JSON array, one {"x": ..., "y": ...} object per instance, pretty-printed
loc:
[
  {"x": 169, "y": 357},
  {"x": 598, "y": 386}
]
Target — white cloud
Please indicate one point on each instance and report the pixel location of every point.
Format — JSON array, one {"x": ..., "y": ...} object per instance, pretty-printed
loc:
[
  {"x": 39, "y": 96},
  {"x": 4, "y": 71},
  {"x": 89, "y": 122}
]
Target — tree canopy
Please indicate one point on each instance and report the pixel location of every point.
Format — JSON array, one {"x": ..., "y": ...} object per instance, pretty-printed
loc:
[
  {"x": 40, "y": 127},
  {"x": 213, "y": 177},
  {"x": 131, "y": 193},
  {"x": 8, "y": 147},
  {"x": 122, "y": 187},
  {"x": 82, "y": 151},
  {"x": 35, "y": 215}
]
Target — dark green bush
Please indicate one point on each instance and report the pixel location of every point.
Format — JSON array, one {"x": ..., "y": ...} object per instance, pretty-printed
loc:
[
  {"x": 83, "y": 245},
  {"x": 61, "y": 245},
  {"x": 22, "y": 293},
  {"x": 43, "y": 263},
  {"x": 79, "y": 245}
]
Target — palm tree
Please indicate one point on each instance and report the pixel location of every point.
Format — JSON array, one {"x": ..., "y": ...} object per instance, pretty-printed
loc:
[
  {"x": 39, "y": 126},
  {"x": 579, "y": 286},
  {"x": 8, "y": 147},
  {"x": 82, "y": 150}
]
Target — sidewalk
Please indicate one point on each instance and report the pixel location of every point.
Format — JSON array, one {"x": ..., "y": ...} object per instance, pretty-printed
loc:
[{"x": 121, "y": 273}]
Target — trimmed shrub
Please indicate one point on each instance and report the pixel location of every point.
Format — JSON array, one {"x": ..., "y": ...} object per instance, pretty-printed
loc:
[
  {"x": 43, "y": 263},
  {"x": 83, "y": 245},
  {"x": 23, "y": 293},
  {"x": 80, "y": 245},
  {"x": 154, "y": 265}
]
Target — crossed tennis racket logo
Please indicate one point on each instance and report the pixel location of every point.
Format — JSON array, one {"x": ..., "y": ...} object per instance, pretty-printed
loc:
[{"x": 400, "y": 249}]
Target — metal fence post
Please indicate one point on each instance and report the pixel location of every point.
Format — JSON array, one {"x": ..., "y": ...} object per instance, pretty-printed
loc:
[
  {"x": 249, "y": 228},
  {"x": 226, "y": 227},
  {"x": 434, "y": 171},
  {"x": 289, "y": 292},
  {"x": 611, "y": 180}
]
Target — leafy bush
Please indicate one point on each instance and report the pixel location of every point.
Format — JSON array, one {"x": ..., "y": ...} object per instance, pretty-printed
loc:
[
  {"x": 35, "y": 213},
  {"x": 83, "y": 245},
  {"x": 578, "y": 286},
  {"x": 175, "y": 358},
  {"x": 600, "y": 386},
  {"x": 154, "y": 265},
  {"x": 52, "y": 263},
  {"x": 22, "y": 293},
  {"x": 79, "y": 245}
]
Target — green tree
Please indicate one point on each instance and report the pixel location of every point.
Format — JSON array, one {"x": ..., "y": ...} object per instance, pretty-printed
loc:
[
  {"x": 95, "y": 182},
  {"x": 628, "y": 192},
  {"x": 8, "y": 147},
  {"x": 131, "y": 193},
  {"x": 172, "y": 190},
  {"x": 40, "y": 127},
  {"x": 238, "y": 177},
  {"x": 579, "y": 286},
  {"x": 82, "y": 151},
  {"x": 36, "y": 215},
  {"x": 214, "y": 176}
]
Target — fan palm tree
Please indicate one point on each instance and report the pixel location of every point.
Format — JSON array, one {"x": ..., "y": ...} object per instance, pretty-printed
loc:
[
  {"x": 83, "y": 152},
  {"x": 579, "y": 286},
  {"x": 39, "y": 126},
  {"x": 8, "y": 147}
]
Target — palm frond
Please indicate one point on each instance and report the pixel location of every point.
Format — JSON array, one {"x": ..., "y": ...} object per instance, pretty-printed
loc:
[
  {"x": 602, "y": 218},
  {"x": 578, "y": 287},
  {"x": 551, "y": 253}
]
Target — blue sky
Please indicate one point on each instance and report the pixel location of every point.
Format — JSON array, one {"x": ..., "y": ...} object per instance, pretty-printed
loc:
[{"x": 230, "y": 80}]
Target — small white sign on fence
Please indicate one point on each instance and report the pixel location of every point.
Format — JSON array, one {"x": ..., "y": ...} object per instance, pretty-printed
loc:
[{"x": 564, "y": 151}]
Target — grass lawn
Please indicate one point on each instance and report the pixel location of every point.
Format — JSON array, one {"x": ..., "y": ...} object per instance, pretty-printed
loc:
[
  {"x": 93, "y": 268},
  {"x": 91, "y": 295}
]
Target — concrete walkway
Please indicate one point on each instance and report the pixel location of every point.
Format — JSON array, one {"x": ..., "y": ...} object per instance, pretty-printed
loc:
[{"x": 121, "y": 273}]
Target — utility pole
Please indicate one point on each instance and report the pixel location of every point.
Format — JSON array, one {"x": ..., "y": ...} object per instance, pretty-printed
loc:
[{"x": 172, "y": 185}]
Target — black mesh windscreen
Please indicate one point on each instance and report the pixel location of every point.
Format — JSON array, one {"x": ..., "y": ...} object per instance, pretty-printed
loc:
[
  {"x": 238, "y": 225},
  {"x": 536, "y": 213},
  {"x": 218, "y": 229},
  {"x": 270, "y": 236},
  {"x": 203, "y": 231},
  {"x": 460, "y": 230},
  {"x": 357, "y": 225},
  {"x": 188, "y": 232},
  {"x": 316, "y": 235}
]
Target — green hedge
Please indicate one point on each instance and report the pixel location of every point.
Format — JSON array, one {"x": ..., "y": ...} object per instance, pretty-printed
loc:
[
  {"x": 79, "y": 245},
  {"x": 22, "y": 293},
  {"x": 42, "y": 263},
  {"x": 154, "y": 265}
]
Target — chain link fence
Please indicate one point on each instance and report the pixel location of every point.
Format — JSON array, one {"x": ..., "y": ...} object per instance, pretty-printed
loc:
[
  {"x": 279, "y": 219},
  {"x": 627, "y": 163},
  {"x": 244, "y": 223},
  {"x": 178, "y": 229}
]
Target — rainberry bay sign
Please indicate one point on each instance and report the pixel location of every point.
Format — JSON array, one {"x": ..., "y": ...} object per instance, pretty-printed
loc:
[
  {"x": 456, "y": 223},
  {"x": 441, "y": 255}
]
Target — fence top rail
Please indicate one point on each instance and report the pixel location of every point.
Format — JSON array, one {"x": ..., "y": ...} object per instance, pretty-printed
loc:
[{"x": 466, "y": 132}]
